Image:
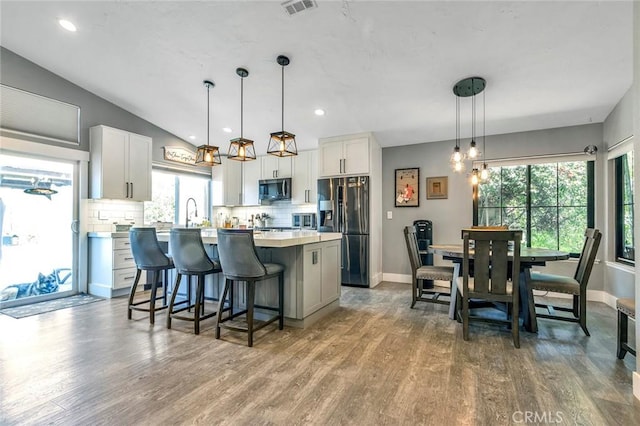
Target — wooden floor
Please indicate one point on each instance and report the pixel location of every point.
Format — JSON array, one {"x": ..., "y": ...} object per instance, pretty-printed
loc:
[{"x": 374, "y": 362}]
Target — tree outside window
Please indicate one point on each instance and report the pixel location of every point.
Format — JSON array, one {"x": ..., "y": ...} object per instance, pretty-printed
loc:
[
  {"x": 625, "y": 245},
  {"x": 552, "y": 203}
]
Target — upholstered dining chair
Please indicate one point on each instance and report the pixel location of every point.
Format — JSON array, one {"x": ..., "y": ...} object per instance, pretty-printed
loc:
[
  {"x": 495, "y": 277},
  {"x": 240, "y": 263},
  {"x": 148, "y": 256},
  {"x": 420, "y": 272},
  {"x": 190, "y": 259},
  {"x": 575, "y": 286}
]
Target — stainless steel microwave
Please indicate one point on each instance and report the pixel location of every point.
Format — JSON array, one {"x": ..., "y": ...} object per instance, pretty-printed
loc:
[{"x": 274, "y": 190}]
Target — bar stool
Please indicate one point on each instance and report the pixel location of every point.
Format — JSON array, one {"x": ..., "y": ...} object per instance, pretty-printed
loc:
[
  {"x": 148, "y": 256},
  {"x": 240, "y": 262},
  {"x": 190, "y": 259},
  {"x": 626, "y": 309}
]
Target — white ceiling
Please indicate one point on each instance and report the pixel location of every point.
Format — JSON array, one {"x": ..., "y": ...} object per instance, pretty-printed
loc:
[{"x": 386, "y": 66}]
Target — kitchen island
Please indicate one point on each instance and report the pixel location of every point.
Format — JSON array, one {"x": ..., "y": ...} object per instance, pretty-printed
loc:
[{"x": 312, "y": 275}]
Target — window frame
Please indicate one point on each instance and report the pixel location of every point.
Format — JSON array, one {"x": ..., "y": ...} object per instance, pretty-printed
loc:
[
  {"x": 618, "y": 162},
  {"x": 541, "y": 160}
]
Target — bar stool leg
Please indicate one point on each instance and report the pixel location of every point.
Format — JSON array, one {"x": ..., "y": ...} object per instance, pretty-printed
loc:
[
  {"x": 174, "y": 293},
  {"x": 196, "y": 313},
  {"x": 152, "y": 298},
  {"x": 227, "y": 283},
  {"x": 251, "y": 292},
  {"x": 623, "y": 325},
  {"x": 281, "y": 301},
  {"x": 132, "y": 292}
]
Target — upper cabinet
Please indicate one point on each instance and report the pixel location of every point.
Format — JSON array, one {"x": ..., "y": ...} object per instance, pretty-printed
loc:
[
  {"x": 251, "y": 174},
  {"x": 305, "y": 177},
  {"x": 120, "y": 164},
  {"x": 275, "y": 167},
  {"x": 226, "y": 183},
  {"x": 344, "y": 156}
]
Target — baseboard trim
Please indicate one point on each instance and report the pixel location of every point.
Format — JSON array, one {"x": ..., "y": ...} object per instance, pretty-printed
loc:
[
  {"x": 636, "y": 385},
  {"x": 397, "y": 278}
]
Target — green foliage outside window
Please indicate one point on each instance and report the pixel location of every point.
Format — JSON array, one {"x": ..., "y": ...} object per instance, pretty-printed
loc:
[
  {"x": 549, "y": 202},
  {"x": 625, "y": 245}
]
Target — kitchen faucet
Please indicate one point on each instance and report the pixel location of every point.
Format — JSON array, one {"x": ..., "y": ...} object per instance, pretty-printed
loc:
[{"x": 187, "y": 209}]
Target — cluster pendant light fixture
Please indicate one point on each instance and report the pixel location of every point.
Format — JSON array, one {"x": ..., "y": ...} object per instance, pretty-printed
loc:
[
  {"x": 241, "y": 149},
  {"x": 282, "y": 143},
  {"x": 469, "y": 87},
  {"x": 208, "y": 155}
]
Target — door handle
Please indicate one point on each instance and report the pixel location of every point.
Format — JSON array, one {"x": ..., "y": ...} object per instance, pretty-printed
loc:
[{"x": 74, "y": 226}]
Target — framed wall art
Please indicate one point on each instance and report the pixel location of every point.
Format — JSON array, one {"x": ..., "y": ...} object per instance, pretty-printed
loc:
[
  {"x": 407, "y": 187},
  {"x": 437, "y": 188}
]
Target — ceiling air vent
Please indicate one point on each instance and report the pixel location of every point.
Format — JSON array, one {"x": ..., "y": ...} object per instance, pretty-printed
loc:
[{"x": 296, "y": 6}]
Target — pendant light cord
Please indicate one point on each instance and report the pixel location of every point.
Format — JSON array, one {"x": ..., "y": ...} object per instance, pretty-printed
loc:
[
  {"x": 241, "y": 106},
  {"x": 457, "y": 121},
  {"x": 208, "y": 126},
  {"x": 282, "y": 100},
  {"x": 473, "y": 111},
  {"x": 484, "y": 126}
]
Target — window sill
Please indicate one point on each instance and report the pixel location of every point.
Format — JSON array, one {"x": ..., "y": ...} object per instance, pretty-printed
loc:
[{"x": 621, "y": 266}]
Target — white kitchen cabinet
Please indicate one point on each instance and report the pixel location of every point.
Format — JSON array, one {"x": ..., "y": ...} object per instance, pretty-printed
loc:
[
  {"x": 226, "y": 183},
  {"x": 344, "y": 156},
  {"x": 120, "y": 164},
  {"x": 305, "y": 177},
  {"x": 251, "y": 174},
  {"x": 112, "y": 269},
  {"x": 320, "y": 276},
  {"x": 274, "y": 167}
]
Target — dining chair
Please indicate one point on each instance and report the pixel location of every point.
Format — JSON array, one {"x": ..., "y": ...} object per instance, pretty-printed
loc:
[
  {"x": 626, "y": 309},
  {"x": 491, "y": 227},
  {"x": 240, "y": 263},
  {"x": 420, "y": 272},
  {"x": 148, "y": 256},
  {"x": 190, "y": 259},
  {"x": 575, "y": 286},
  {"x": 495, "y": 277}
]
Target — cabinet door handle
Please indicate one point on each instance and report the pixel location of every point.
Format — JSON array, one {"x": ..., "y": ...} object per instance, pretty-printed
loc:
[
  {"x": 314, "y": 257},
  {"x": 129, "y": 277},
  {"x": 131, "y": 189},
  {"x": 128, "y": 258},
  {"x": 127, "y": 189}
]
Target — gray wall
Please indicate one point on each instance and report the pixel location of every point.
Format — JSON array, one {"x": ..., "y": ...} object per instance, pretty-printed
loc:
[
  {"x": 618, "y": 125},
  {"x": 18, "y": 72},
  {"x": 450, "y": 215}
]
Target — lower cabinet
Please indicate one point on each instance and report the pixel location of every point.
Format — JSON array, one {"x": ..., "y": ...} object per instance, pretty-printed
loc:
[{"x": 112, "y": 269}]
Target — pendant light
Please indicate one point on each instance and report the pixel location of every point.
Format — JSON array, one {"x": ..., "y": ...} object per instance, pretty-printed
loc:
[
  {"x": 241, "y": 149},
  {"x": 208, "y": 155},
  {"x": 282, "y": 143},
  {"x": 484, "y": 173},
  {"x": 462, "y": 89}
]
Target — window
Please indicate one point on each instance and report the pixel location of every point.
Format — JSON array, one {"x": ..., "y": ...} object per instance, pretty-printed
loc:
[
  {"x": 170, "y": 192},
  {"x": 552, "y": 203},
  {"x": 625, "y": 248}
]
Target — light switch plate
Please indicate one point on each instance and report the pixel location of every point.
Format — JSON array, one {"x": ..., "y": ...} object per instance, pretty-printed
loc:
[
  {"x": 389, "y": 214},
  {"x": 128, "y": 215}
]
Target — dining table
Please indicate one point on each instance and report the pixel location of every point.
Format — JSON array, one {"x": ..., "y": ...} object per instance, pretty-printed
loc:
[{"x": 529, "y": 257}]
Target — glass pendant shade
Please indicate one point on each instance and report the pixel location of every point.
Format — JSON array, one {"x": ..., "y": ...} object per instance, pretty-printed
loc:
[
  {"x": 473, "y": 150},
  {"x": 282, "y": 143},
  {"x": 241, "y": 149},
  {"x": 474, "y": 177},
  {"x": 484, "y": 173},
  {"x": 465, "y": 88},
  {"x": 208, "y": 155}
]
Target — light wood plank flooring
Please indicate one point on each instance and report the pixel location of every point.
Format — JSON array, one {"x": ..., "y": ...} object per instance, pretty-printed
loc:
[{"x": 374, "y": 362}]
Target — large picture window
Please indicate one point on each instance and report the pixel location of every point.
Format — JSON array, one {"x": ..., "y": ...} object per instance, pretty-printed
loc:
[
  {"x": 552, "y": 202},
  {"x": 170, "y": 192},
  {"x": 625, "y": 247}
]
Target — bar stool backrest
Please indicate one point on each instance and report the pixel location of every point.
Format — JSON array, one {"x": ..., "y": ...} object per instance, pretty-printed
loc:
[
  {"x": 238, "y": 256},
  {"x": 146, "y": 249},
  {"x": 187, "y": 249}
]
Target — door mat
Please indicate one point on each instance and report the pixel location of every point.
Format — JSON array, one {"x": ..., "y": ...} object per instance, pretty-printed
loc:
[{"x": 49, "y": 305}]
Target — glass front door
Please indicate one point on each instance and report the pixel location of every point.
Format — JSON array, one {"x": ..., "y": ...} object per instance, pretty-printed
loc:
[{"x": 36, "y": 217}]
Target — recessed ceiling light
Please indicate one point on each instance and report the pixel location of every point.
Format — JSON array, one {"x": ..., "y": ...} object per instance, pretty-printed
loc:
[
  {"x": 227, "y": 129},
  {"x": 67, "y": 25},
  {"x": 319, "y": 112},
  {"x": 192, "y": 137}
]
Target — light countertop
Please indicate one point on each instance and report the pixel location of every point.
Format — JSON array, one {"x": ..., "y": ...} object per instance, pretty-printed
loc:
[{"x": 262, "y": 239}]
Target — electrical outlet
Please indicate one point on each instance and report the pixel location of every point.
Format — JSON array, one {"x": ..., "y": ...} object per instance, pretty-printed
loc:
[
  {"x": 128, "y": 215},
  {"x": 389, "y": 215},
  {"x": 103, "y": 215}
]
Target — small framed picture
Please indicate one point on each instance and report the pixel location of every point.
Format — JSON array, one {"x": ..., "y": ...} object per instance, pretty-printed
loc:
[
  {"x": 437, "y": 188},
  {"x": 407, "y": 190}
]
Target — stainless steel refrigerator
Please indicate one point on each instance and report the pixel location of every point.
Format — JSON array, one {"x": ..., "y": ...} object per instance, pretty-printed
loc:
[{"x": 343, "y": 206}]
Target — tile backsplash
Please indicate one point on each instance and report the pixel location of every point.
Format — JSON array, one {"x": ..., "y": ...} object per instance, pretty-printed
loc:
[{"x": 102, "y": 215}]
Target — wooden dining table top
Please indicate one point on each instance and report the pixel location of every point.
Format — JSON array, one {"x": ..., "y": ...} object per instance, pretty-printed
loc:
[{"x": 527, "y": 254}]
